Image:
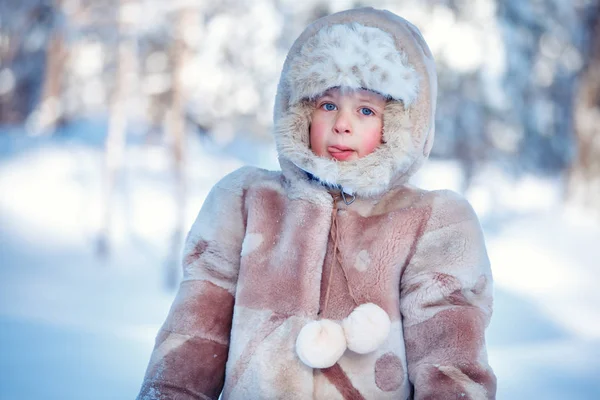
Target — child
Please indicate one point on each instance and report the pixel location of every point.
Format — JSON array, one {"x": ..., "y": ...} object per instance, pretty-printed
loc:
[{"x": 334, "y": 278}]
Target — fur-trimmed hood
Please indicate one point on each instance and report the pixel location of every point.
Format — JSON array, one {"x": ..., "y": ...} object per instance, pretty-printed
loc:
[
  {"x": 290, "y": 293},
  {"x": 362, "y": 48}
]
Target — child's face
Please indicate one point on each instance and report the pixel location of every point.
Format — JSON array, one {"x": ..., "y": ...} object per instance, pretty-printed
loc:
[{"x": 347, "y": 125}]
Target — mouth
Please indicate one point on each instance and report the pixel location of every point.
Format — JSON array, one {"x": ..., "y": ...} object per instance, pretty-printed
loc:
[{"x": 340, "y": 153}]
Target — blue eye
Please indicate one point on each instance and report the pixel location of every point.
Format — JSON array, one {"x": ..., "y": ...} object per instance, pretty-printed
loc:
[
  {"x": 366, "y": 111},
  {"x": 328, "y": 107}
]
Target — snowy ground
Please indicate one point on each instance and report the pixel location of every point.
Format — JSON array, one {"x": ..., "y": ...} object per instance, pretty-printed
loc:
[{"x": 76, "y": 327}]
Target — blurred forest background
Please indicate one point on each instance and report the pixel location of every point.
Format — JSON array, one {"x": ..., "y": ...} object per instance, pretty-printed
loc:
[
  {"x": 519, "y": 81},
  {"x": 177, "y": 93}
]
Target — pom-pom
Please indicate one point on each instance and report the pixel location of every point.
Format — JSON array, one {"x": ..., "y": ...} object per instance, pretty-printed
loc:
[
  {"x": 366, "y": 328},
  {"x": 321, "y": 343}
]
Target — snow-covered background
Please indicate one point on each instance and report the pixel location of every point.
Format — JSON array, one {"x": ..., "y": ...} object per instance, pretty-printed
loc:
[
  {"x": 80, "y": 305},
  {"x": 75, "y": 327}
]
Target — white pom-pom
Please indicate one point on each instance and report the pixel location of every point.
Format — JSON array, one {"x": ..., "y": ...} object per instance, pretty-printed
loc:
[
  {"x": 321, "y": 343},
  {"x": 366, "y": 328}
]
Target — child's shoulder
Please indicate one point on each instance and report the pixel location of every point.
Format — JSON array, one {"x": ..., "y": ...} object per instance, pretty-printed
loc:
[
  {"x": 443, "y": 204},
  {"x": 242, "y": 178},
  {"x": 449, "y": 208}
]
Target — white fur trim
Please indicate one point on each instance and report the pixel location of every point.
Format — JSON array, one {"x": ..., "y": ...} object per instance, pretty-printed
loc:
[
  {"x": 320, "y": 344},
  {"x": 348, "y": 39},
  {"x": 353, "y": 56},
  {"x": 367, "y": 176},
  {"x": 366, "y": 328}
]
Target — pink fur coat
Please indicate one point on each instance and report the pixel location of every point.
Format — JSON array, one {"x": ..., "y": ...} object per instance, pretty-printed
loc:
[{"x": 272, "y": 252}]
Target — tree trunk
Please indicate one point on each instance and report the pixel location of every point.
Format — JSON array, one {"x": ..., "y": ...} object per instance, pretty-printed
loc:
[
  {"x": 176, "y": 131},
  {"x": 50, "y": 107},
  {"x": 117, "y": 128},
  {"x": 583, "y": 187}
]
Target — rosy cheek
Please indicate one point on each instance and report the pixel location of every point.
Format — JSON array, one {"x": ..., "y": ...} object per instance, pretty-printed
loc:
[
  {"x": 371, "y": 142},
  {"x": 317, "y": 137}
]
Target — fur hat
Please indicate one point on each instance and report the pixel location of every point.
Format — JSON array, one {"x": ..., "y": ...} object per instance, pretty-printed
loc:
[{"x": 361, "y": 48}]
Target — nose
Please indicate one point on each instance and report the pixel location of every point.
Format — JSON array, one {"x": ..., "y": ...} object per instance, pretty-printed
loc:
[{"x": 342, "y": 123}]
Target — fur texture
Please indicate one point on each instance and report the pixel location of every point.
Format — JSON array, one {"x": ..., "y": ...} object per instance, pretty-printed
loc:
[
  {"x": 259, "y": 263},
  {"x": 236, "y": 319},
  {"x": 358, "y": 49},
  {"x": 320, "y": 344},
  {"x": 367, "y": 176},
  {"x": 366, "y": 328},
  {"x": 353, "y": 56}
]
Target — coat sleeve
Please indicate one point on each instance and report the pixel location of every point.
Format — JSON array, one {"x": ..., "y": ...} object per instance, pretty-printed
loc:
[
  {"x": 446, "y": 305},
  {"x": 191, "y": 348}
]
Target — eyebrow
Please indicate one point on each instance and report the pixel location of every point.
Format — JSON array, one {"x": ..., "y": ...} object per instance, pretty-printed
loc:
[
  {"x": 324, "y": 98},
  {"x": 366, "y": 99},
  {"x": 370, "y": 101}
]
